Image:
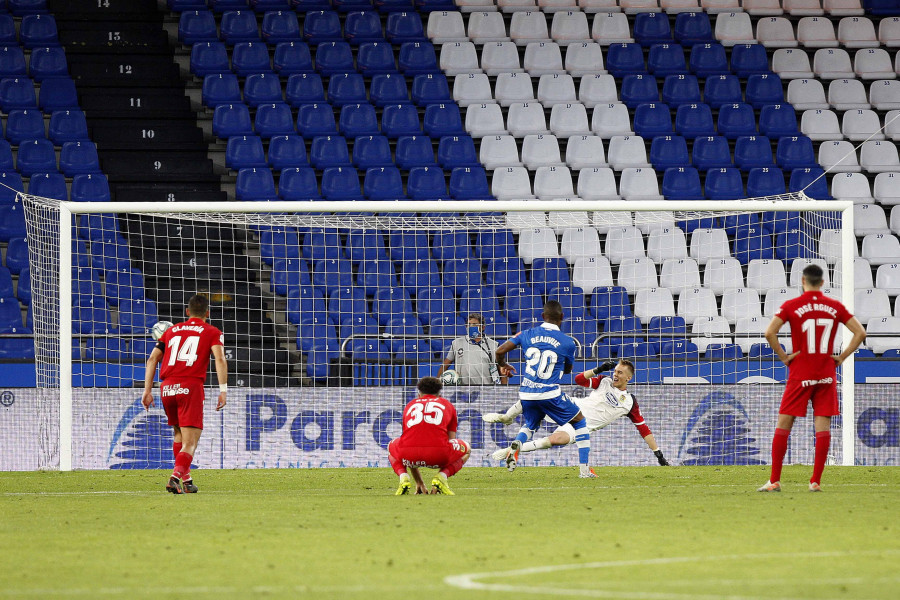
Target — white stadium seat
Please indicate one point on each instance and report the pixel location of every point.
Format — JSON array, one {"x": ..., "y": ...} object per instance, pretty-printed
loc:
[
  {"x": 524, "y": 118},
  {"x": 871, "y": 303},
  {"x": 883, "y": 325},
  {"x": 511, "y": 88},
  {"x": 887, "y": 188},
  {"x": 887, "y": 278},
  {"x": 853, "y": 187},
  {"x": 847, "y": 94},
  {"x": 583, "y": 152},
  {"x": 487, "y": 27},
  {"x": 569, "y": 119},
  {"x": 591, "y": 272},
  {"x": 889, "y": 32},
  {"x": 637, "y": 274},
  {"x": 791, "y": 63},
  {"x": 734, "y": 28},
  {"x": 763, "y": 273},
  {"x": 857, "y": 32},
  {"x": 723, "y": 274},
  {"x": 527, "y": 27},
  {"x": 862, "y": 274},
  {"x": 472, "y": 88},
  {"x": 816, "y": 32},
  {"x": 597, "y": 183},
  {"x": 679, "y": 274},
  {"x": 775, "y": 297},
  {"x": 556, "y": 88},
  {"x": 838, "y": 157},
  {"x": 553, "y": 182},
  {"x": 763, "y": 8},
  {"x": 597, "y": 89},
  {"x": 484, "y": 119},
  {"x": 446, "y": 26},
  {"x": 775, "y": 32},
  {"x": 622, "y": 243},
  {"x": 537, "y": 242},
  {"x": 553, "y": 6},
  {"x": 749, "y": 331},
  {"x": 560, "y": 220},
  {"x": 873, "y": 63},
  {"x": 633, "y": 7},
  {"x": 806, "y": 94},
  {"x": 595, "y": 6},
  {"x": 799, "y": 264},
  {"x": 475, "y": 5},
  {"x": 843, "y": 8},
  {"x": 802, "y": 8},
  {"x": 499, "y": 151},
  {"x": 570, "y": 27},
  {"x": 639, "y": 184},
  {"x": 611, "y": 120},
  {"x": 880, "y": 249},
  {"x": 656, "y": 302},
  {"x": 607, "y": 220},
  {"x": 711, "y": 330},
  {"x": 879, "y": 157},
  {"x": 720, "y": 6},
  {"x": 830, "y": 245},
  {"x": 509, "y": 6},
  {"x": 667, "y": 243},
  {"x": 672, "y": 7},
  {"x": 651, "y": 220},
  {"x": 543, "y": 57},
  {"x": 500, "y": 57},
  {"x": 895, "y": 221},
  {"x": 585, "y": 58},
  {"x": 860, "y": 125},
  {"x": 740, "y": 302},
  {"x": 869, "y": 218},
  {"x": 509, "y": 183},
  {"x": 892, "y": 125},
  {"x": 820, "y": 125},
  {"x": 459, "y": 57},
  {"x": 580, "y": 242},
  {"x": 709, "y": 244},
  {"x": 611, "y": 28},
  {"x": 884, "y": 95},
  {"x": 627, "y": 152},
  {"x": 540, "y": 150},
  {"x": 697, "y": 303},
  {"x": 832, "y": 63}
]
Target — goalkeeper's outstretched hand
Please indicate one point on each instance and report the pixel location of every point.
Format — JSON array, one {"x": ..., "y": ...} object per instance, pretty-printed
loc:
[
  {"x": 662, "y": 459},
  {"x": 610, "y": 364}
]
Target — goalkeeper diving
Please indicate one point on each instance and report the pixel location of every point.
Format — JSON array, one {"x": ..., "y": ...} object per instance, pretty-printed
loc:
[{"x": 609, "y": 400}]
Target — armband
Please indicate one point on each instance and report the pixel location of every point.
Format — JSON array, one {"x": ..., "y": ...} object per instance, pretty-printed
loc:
[{"x": 223, "y": 387}]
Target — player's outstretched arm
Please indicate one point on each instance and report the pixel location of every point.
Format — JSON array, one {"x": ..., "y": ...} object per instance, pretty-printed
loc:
[
  {"x": 221, "y": 375},
  {"x": 149, "y": 375},
  {"x": 506, "y": 369},
  {"x": 859, "y": 334},
  {"x": 654, "y": 447}
]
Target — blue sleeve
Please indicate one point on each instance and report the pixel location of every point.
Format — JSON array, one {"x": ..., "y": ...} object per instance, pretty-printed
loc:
[{"x": 516, "y": 340}]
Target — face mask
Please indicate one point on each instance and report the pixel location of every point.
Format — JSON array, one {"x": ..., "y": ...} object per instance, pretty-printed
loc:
[{"x": 474, "y": 332}]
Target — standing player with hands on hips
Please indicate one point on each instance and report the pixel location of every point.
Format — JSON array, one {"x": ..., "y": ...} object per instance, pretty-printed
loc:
[
  {"x": 812, "y": 369},
  {"x": 184, "y": 350}
]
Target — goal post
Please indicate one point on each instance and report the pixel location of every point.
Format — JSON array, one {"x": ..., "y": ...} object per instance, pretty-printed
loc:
[{"x": 280, "y": 339}]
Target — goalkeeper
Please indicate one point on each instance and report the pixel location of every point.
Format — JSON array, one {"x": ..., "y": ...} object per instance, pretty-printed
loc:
[{"x": 609, "y": 400}]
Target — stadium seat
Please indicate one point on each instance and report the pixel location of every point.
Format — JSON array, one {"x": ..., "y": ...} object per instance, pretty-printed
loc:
[
  {"x": 680, "y": 89},
  {"x": 710, "y": 152},
  {"x": 707, "y": 60},
  {"x": 832, "y": 63},
  {"x": 206, "y": 58},
  {"x": 372, "y": 151},
  {"x": 329, "y": 151},
  {"x": 441, "y": 120},
  {"x": 776, "y": 32},
  {"x": 24, "y": 124},
  {"x": 806, "y": 94},
  {"x": 879, "y": 156},
  {"x": 820, "y": 125},
  {"x": 693, "y": 120},
  {"x": 638, "y": 89},
  {"x": 38, "y": 156},
  {"x": 304, "y": 88},
  {"x": 624, "y": 59},
  {"x": 861, "y": 125},
  {"x": 426, "y": 183},
  {"x": 753, "y": 151},
  {"x": 669, "y": 151},
  {"x": 791, "y": 63},
  {"x": 383, "y": 183},
  {"x": 255, "y": 184},
  {"x": 838, "y": 156},
  {"x": 724, "y": 184},
  {"x": 244, "y": 151},
  {"x": 48, "y": 185},
  {"x": 90, "y": 187},
  {"x": 651, "y": 120},
  {"x": 346, "y": 88},
  {"x": 404, "y": 27},
  {"x": 414, "y": 151},
  {"x": 763, "y": 89},
  {"x": 693, "y": 28},
  {"x": 637, "y": 274},
  {"x": 682, "y": 183},
  {"x": 388, "y": 88},
  {"x": 357, "y": 120},
  {"x": 322, "y": 26},
  {"x": 430, "y": 88},
  {"x": 273, "y": 119},
  {"x": 290, "y": 58},
  {"x": 666, "y": 59},
  {"x": 611, "y": 28},
  {"x": 584, "y": 58},
  {"x": 795, "y": 153},
  {"x": 417, "y": 57},
  {"x": 197, "y": 26},
  {"x": 363, "y": 26},
  {"x": 67, "y": 126},
  {"x": 777, "y": 120},
  {"x": 336, "y": 57},
  {"x": 651, "y": 28},
  {"x": 217, "y": 89},
  {"x": 880, "y": 249},
  {"x": 238, "y": 26},
  {"x": 298, "y": 183}
]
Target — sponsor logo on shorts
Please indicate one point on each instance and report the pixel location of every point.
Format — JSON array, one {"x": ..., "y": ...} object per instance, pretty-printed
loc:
[
  {"x": 809, "y": 382},
  {"x": 175, "y": 390}
]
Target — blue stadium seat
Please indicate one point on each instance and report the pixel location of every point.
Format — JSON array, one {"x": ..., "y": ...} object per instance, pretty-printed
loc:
[
  {"x": 549, "y": 273},
  {"x": 651, "y": 28},
  {"x": 753, "y": 151},
  {"x": 305, "y": 300},
  {"x": 298, "y": 183},
  {"x": 795, "y": 243},
  {"x": 572, "y": 300},
  {"x": 230, "y": 120},
  {"x": 669, "y": 151},
  {"x": 244, "y": 151},
  {"x": 57, "y": 93},
  {"x": 623, "y": 59},
  {"x": 92, "y": 319},
  {"x": 399, "y": 120},
  {"x": 679, "y": 350},
  {"x": 218, "y": 89},
  {"x": 457, "y": 151},
  {"x": 341, "y": 183},
  {"x": 375, "y": 58},
  {"x": 196, "y": 26},
  {"x": 389, "y": 6},
  {"x": 609, "y": 301},
  {"x": 443, "y": 330},
  {"x": 638, "y": 89},
  {"x": 238, "y": 26},
  {"x": 732, "y": 223},
  {"x": 362, "y": 349},
  {"x": 408, "y": 245},
  {"x": 7, "y": 163},
  {"x": 722, "y": 89},
  {"x": 434, "y": 302},
  {"x": 9, "y": 180},
  {"x": 24, "y": 124},
  {"x": 469, "y": 183},
  {"x": 37, "y": 156},
  {"x": 265, "y": 6},
  {"x": 363, "y": 324},
  {"x": 85, "y": 282},
  {"x": 752, "y": 243},
  {"x": 322, "y": 243},
  {"x": 6, "y": 284},
  {"x": 749, "y": 59},
  {"x": 666, "y": 59},
  {"x": 363, "y": 26},
  {"x": 289, "y": 274},
  {"x": 8, "y": 34},
  {"x": 329, "y": 151},
  {"x": 332, "y": 274},
  {"x": 723, "y": 352},
  {"x": 404, "y": 27},
  {"x": 680, "y": 89},
  {"x": 693, "y": 28},
  {"x": 461, "y": 274},
  {"x": 447, "y": 245},
  {"x": 315, "y": 120},
  {"x": 417, "y": 57},
  {"x": 292, "y": 58},
  {"x": 376, "y": 274},
  {"x": 314, "y": 330},
  {"x": 427, "y": 6},
  {"x": 274, "y": 119},
  {"x": 109, "y": 254},
  {"x": 255, "y": 184},
  {"x": 765, "y": 182},
  {"x": 346, "y": 88},
  {"x": 262, "y": 88},
  {"x": 372, "y": 151},
  {"x": 90, "y": 187},
  {"x": 761, "y": 350},
  {"x": 23, "y": 289},
  {"x": 49, "y": 185},
  {"x": 287, "y": 151},
  {"x": 505, "y": 274},
  {"x": 710, "y": 152},
  {"x": 479, "y": 300},
  {"x": 392, "y": 302},
  {"x": 693, "y": 120},
  {"x": 334, "y": 57},
  {"x": 388, "y": 88},
  {"x": 414, "y": 151},
  {"x": 365, "y": 245},
  {"x": 319, "y": 358},
  {"x": 68, "y": 126},
  {"x": 724, "y": 184},
  {"x": 430, "y": 88},
  {"x": 441, "y": 120},
  {"x": 280, "y": 26},
  {"x": 304, "y": 88},
  {"x": 763, "y": 89},
  {"x": 682, "y": 183},
  {"x": 426, "y": 183},
  {"x": 75, "y": 158},
  {"x": 495, "y": 244},
  {"x": 522, "y": 304},
  {"x": 98, "y": 227},
  {"x": 801, "y": 178},
  {"x": 137, "y": 316},
  {"x": 652, "y": 119},
  {"x": 220, "y": 6},
  {"x": 17, "y": 92},
  {"x": 708, "y": 60},
  {"x": 795, "y": 153},
  {"x": 207, "y": 58},
  {"x": 383, "y": 183},
  {"x": 736, "y": 120},
  {"x": 778, "y": 120},
  {"x": 351, "y": 5},
  {"x": 12, "y": 62},
  {"x": 420, "y": 273},
  {"x": 357, "y": 120},
  {"x": 248, "y": 58},
  {"x": 17, "y": 255}
]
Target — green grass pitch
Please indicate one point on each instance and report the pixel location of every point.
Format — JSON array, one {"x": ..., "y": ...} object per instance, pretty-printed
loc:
[{"x": 656, "y": 533}]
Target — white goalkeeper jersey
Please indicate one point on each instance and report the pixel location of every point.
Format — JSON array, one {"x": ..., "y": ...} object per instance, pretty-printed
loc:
[{"x": 604, "y": 404}]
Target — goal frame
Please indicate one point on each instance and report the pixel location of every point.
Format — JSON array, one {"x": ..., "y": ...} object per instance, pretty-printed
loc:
[{"x": 68, "y": 210}]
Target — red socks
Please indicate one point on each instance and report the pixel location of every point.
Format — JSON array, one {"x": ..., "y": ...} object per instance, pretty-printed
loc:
[
  {"x": 823, "y": 445},
  {"x": 182, "y": 466},
  {"x": 176, "y": 448},
  {"x": 779, "y": 449},
  {"x": 453, "y": 468}
]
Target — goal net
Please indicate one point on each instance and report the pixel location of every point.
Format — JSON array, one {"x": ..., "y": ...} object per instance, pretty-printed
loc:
[{"x": 333, "y": 311}]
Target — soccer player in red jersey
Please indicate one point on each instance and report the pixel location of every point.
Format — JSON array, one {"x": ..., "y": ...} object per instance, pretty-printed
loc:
[
  {"x": 428, "y": 440},
  {"x": 184, "y": 350},
  {"x": 812, "y": 369}
]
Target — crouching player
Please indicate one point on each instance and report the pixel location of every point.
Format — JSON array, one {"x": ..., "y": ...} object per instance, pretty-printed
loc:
[
  {"x": 609, "y": 400},
  {"x": 428, "y": 440}
]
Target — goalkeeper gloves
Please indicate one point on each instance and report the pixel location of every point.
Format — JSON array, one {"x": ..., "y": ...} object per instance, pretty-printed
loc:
[
  {"x": 662, "y": 459},
  {"x": 610, "y": 364}
]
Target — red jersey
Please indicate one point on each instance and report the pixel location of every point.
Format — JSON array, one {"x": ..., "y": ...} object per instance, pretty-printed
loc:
[
  {"x": 187, "y": 347},
  {"x": 427, "y": 421},
  {"x": 814, "y": 320}
]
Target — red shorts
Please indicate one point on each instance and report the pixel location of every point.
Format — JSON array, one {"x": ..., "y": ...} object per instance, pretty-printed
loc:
[
  {"x": 797, "y": 396},
  {"x": 183, "y": 402},
  {"x": 432, "y": 457}
]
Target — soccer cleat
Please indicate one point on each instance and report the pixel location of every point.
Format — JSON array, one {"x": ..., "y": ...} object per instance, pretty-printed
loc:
[
  {"x": 439, "y": 485},
  {"x": 500, "y": 454},
  {"x": 587, "y": 472},
  {"x": 188, "y": 487},
  {"x": 815, "y": 487},
  {"x": 404, "y": 487},
  {"x": 512, "y": 455},
  {"x": 174, "y": 485},
  {"x": 496, "y": 418},
  {"x": 770, "y": 487}
]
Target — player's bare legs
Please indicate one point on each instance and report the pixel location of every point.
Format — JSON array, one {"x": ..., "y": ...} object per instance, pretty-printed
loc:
[
  {"x": 180, "y": 482},
  {"x": 439, "y": 484},
  {"x": 779, "y": 449},
  {"x": 506, "y": 418}
]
